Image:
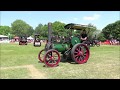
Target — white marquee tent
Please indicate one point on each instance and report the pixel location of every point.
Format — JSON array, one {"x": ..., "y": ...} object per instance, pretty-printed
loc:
[
  {"x": 2, "y": 37},
  {"x": 30, "y": 38}
]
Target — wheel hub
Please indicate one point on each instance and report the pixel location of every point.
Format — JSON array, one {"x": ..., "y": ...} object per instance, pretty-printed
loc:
[
  {"x": 79, "y": 53},
  {"x": 51, "y": 58}
]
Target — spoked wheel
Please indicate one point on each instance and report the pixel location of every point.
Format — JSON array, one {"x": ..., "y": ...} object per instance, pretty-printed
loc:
[
  {"x": 80, "y": 53},
  {"x": 52, "y": 58},
  {"x": 41, "y": 55}
]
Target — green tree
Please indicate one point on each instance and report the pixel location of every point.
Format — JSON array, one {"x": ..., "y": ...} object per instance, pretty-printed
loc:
[
  {"x": 112, "y": 29},
  {"x": 45, "y": 31},
  {"x": 21, "y": 28},
  {"x": 30, "y": 31},
  {"x": 38, "y": 29},
  {"x": 42, "y": 30},
  {"x": 58, "y": 28},
  {"x": 5, "y": 30},
  {"x": 101, "y": 37}
]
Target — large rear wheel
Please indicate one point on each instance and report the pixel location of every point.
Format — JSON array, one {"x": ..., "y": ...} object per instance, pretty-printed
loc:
[{"x": 80, "y": 53}]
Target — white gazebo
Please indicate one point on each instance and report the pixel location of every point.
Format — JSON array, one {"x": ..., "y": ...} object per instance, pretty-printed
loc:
[
  {"x": 30, "y": 39},
  {"x": 3, "y": 37}
]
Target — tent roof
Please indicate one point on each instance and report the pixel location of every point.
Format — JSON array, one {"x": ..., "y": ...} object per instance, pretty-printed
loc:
[
  {"x": 3, "y": 36},
  {"x": 30, "y": 37}
]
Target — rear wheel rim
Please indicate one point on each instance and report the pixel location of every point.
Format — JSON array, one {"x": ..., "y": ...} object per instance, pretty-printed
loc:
[{"x": 81, "y": 54}]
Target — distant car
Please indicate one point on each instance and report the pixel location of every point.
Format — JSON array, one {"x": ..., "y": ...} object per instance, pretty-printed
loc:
[{"x": 23, "y": 40}]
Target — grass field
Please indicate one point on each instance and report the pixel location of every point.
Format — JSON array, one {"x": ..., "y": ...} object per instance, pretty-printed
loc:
[{"x": 21, "y": 62}]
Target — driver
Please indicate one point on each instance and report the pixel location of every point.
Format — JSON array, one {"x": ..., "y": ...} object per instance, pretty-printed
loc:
[{"x": 83, "y": 36}]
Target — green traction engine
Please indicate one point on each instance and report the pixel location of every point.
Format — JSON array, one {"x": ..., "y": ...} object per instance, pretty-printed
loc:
[{"x": 62, "y": 49}]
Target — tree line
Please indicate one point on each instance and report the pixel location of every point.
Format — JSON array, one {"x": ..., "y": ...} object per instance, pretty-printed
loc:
[{"x": 21, "y": 28}]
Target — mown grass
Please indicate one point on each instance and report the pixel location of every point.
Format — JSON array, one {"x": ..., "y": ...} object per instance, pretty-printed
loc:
[
  {"x": 104, "y": 63},
  {"x": 15, "y": 73},
  {"x": 14, "y": 54}
]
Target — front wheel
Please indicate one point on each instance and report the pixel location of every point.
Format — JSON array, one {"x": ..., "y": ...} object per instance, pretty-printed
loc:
[{"x": 52, "y": 58}]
